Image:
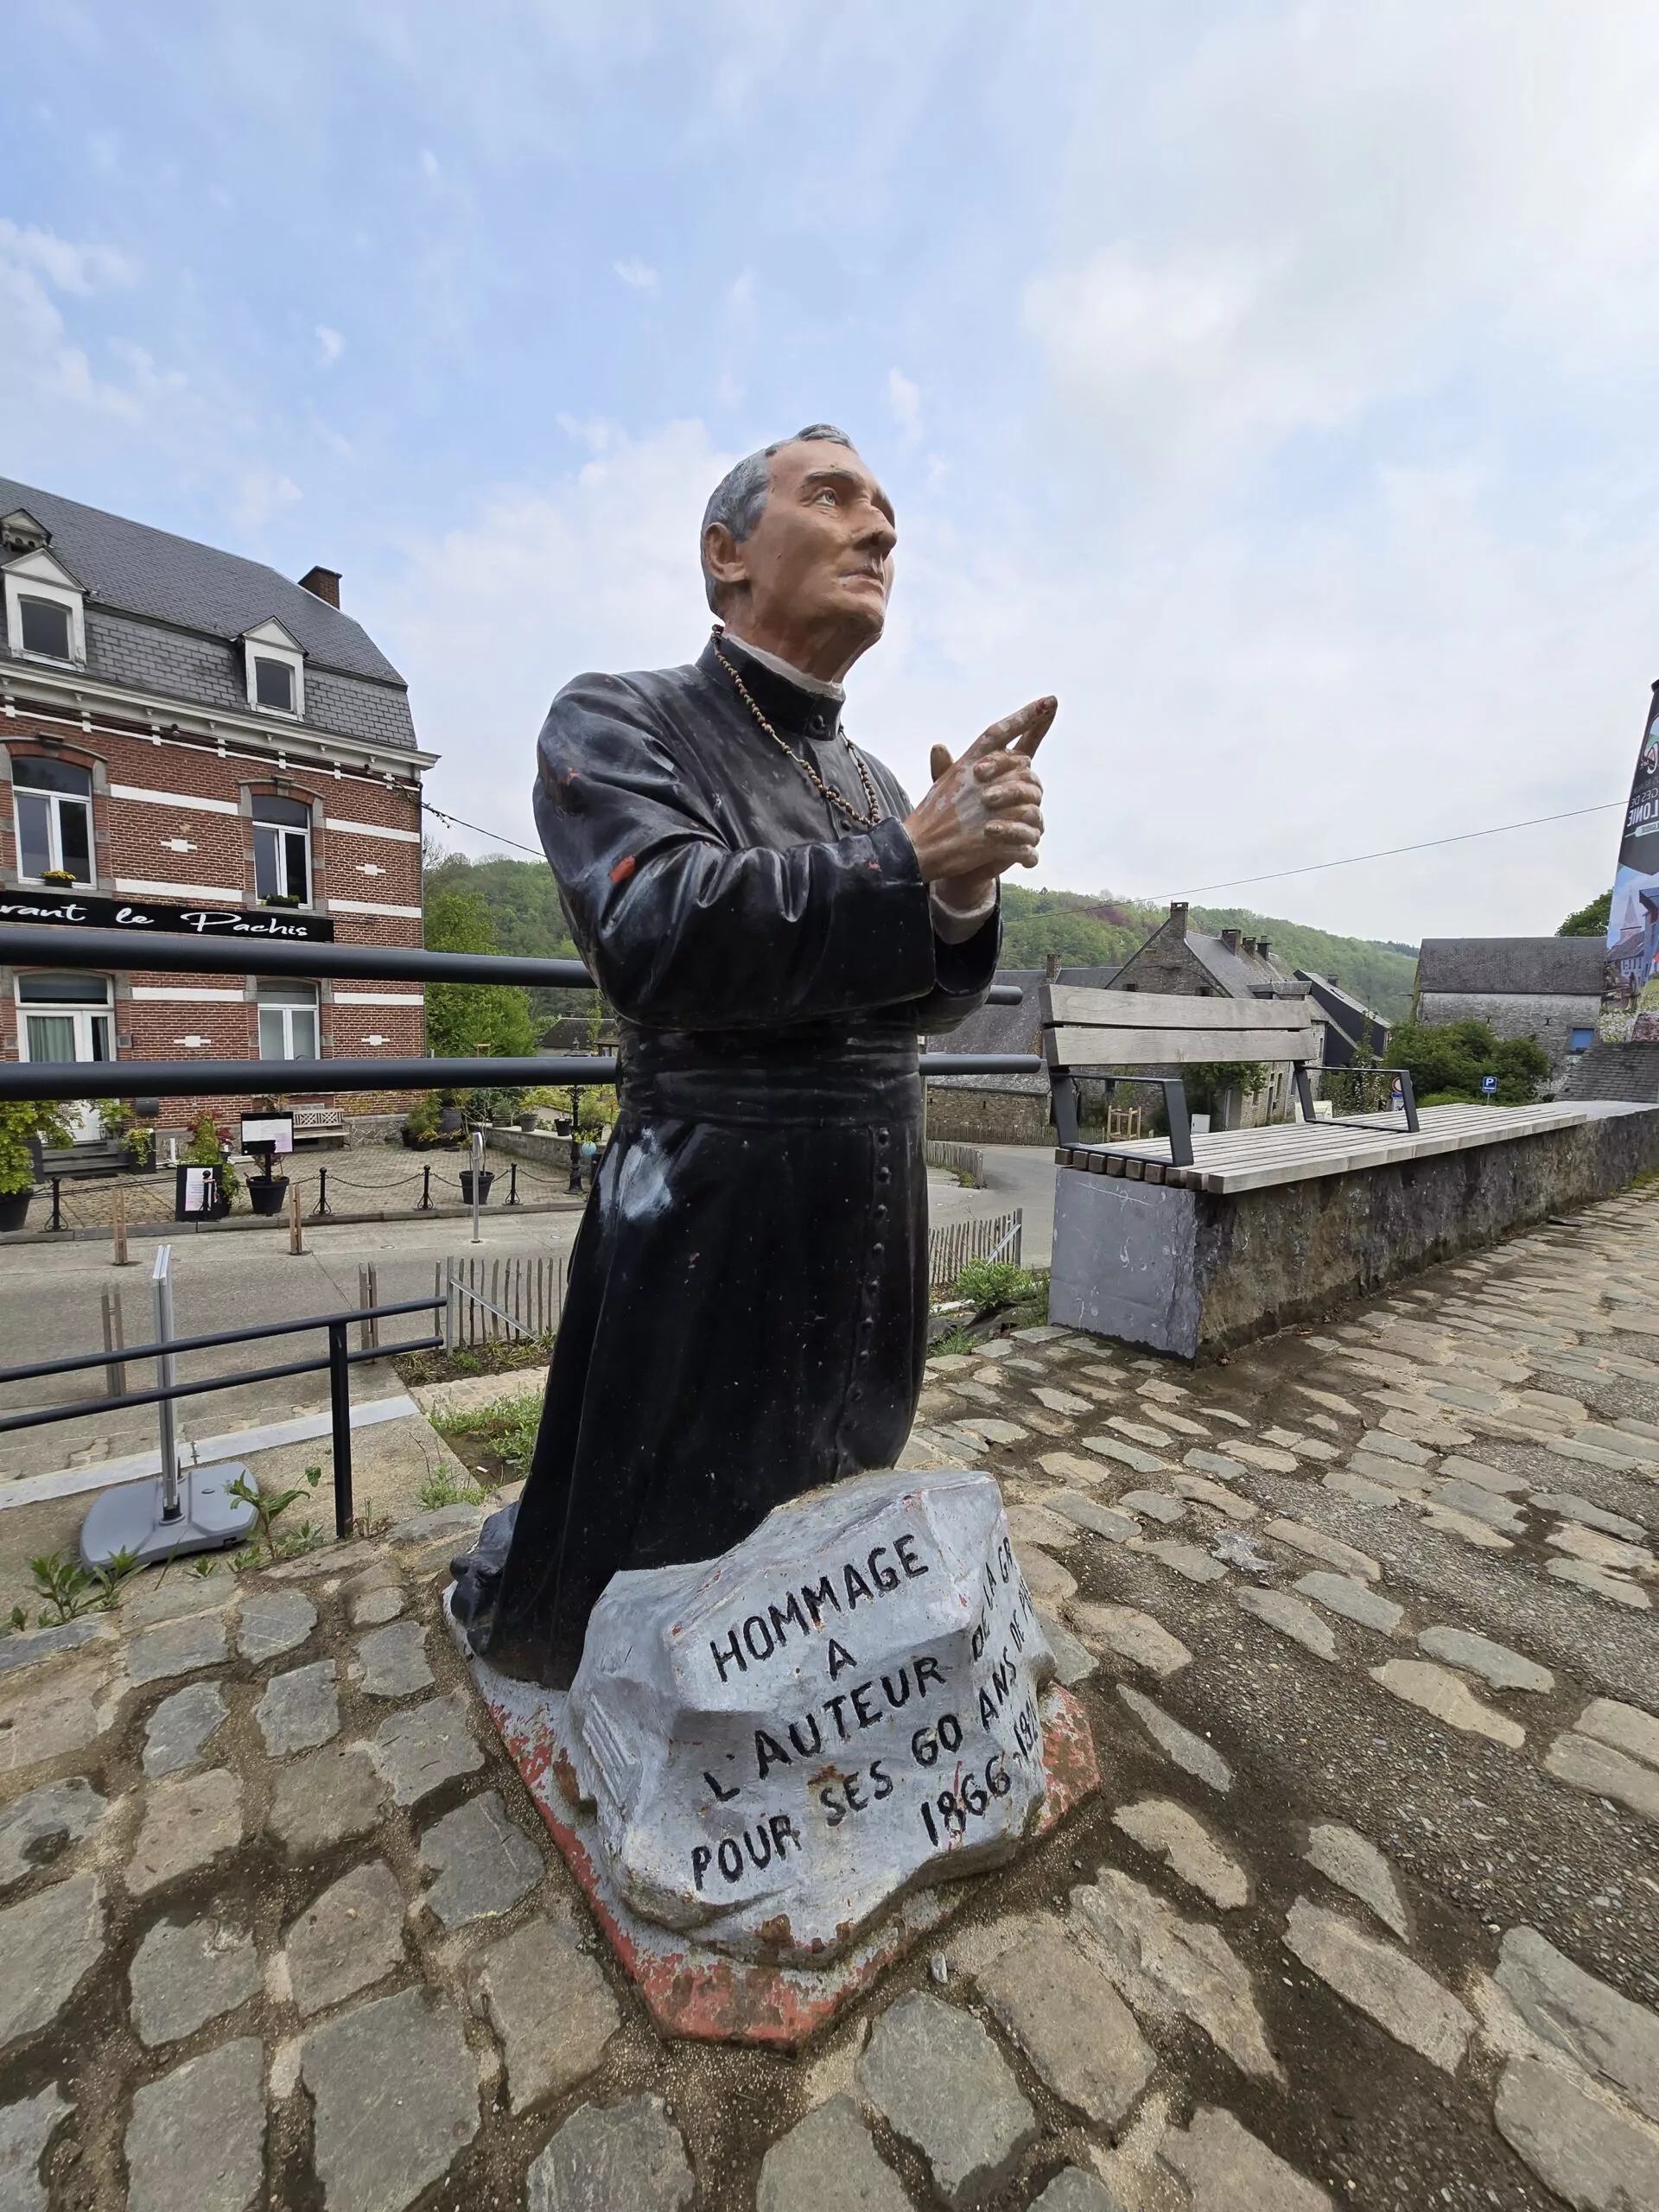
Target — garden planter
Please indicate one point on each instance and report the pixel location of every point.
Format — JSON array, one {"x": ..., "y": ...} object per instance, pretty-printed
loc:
[
  {"x": 484, "y": 1183},
  {"x": 14, "y": 1209},
  {"x": 267, "y": 1196}
]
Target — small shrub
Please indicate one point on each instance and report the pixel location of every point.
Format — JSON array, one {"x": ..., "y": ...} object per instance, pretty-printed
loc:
[
  {"x": 987, "y": 1284},
  {"x": 442, "y": 1489},
  {"x": 269, "y": 1506},
  {"x": 70, "y": 1589},
  {"x": 958, "y": 1340}
]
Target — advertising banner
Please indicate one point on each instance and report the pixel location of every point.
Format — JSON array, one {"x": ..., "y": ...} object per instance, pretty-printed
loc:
[
  {"x": 80, "y": 910},
  {"x": 1631, "y": 1011}
]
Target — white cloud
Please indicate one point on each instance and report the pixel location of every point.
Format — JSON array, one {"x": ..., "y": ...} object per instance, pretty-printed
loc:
[
  {"x": 905, "y": 399},
  {"x": 1339, "y": 206},
  {"x": 637, "y": 275},
  {"x": 596, "y": 569},
  {"x": 330, "y": 346},
  {"x": 262, "y": 494}
]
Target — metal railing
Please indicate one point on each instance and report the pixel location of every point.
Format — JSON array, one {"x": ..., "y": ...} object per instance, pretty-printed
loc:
[
  {"x": 30, "y": 944},
  {"x": 339, "y": 1361}
]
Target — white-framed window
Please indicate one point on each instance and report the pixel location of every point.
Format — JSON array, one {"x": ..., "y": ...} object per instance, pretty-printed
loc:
[
  {"x": 52, "y": 803},
  {"x": 65, "y": 1017},
  {"x": 45, "y": 617},
  {"x": 288, "y": 1021},
  {"x": 281, "y": 851},
  {"x": 274, "y": 670}
]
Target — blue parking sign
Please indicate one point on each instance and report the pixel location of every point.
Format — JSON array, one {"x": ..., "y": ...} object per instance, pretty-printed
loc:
[{"x": 1489, "y": 1084}]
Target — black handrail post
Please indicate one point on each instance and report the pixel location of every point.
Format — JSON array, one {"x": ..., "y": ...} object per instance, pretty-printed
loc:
[
  {"x": 512, "y": 1185},
  {"x": 322, "y": 1206},
  {"x": 425, "y": 1206},
  {"x": 339, "y": 1408},
  {"x": 56, "y": 1221}
]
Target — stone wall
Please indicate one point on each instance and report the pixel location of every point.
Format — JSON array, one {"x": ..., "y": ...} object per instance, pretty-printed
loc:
[
  {"x": 963, "y": 1116},
  {"x": 1188, "y": 1271},
  {"x": 1548, "y": 1018}
]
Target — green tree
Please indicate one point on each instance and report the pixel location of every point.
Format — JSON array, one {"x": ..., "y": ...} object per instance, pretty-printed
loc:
[
  {"x": 1446, "y": 1062},
  {"x": 1589, "y": 921},
  {"x": 472, "y": 1021}
]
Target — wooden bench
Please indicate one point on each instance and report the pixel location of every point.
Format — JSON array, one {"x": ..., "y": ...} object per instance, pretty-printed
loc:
[
  {"x": 1108, "y": 1034},
  {"x": 1188, "y": 1245}
]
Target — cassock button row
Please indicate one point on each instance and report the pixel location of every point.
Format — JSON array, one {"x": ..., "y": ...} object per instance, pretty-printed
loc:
[
  {"x": 884, "y": 1174},
  {"x": 876, "y": 1251},
  {"x": 882, "y": 1135}
]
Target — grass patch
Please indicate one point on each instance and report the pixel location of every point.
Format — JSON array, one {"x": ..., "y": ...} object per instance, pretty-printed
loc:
[
  {"x": 505, "y": 1357},
  {"x": 494, "y": 1442}
]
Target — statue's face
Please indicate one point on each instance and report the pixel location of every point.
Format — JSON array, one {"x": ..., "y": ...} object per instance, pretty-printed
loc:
[{"x": 820, "y": 558}]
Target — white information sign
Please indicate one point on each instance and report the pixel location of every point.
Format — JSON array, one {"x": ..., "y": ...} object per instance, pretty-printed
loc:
[{"x": 778, "y": 1741}]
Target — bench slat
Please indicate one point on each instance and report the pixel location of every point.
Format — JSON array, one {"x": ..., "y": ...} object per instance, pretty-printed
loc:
[
  {"x": 1101, "y": 1048},
  {"x": 1072, "y": 1003}
]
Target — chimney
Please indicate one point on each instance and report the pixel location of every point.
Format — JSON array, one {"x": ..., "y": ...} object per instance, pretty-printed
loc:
[
  {"x": 1262, "y": 947},
  {"x": 1051, "y": 967},
  {"x": 1331, "y": 979},
  {"x": 323, "y": 583},
  {"x": 1248, "y": 947},
  {"x": 1229, "y": 938},
  {"x": 1176, "y": 922}
]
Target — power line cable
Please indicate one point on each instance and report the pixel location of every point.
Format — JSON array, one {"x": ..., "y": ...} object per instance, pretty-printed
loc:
[
  {"x": 455, "y": 821},
  {"x": 1390, "y": 852}
]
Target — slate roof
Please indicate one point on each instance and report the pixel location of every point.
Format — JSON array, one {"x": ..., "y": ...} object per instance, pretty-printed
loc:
[
  {"x": 149, "y": 573},
  {"x": 1560, "y": 967},
  {"x": 1341, "y": 1009},
  {"x": 1010, "y": 1028}
]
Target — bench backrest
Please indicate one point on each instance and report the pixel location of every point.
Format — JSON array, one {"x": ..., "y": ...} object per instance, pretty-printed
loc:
[{"x": 1125, "y": 1029}]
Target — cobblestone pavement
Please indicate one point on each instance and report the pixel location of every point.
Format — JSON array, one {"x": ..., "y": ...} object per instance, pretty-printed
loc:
[{"x": 1367, "y": 1913}]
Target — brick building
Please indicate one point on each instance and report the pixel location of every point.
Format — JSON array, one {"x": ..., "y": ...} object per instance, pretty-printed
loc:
[{"x": 189, "y": 742}]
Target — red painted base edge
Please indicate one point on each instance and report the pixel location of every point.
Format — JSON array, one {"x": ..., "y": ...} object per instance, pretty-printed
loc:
[{"x": 691, "y": 1990}]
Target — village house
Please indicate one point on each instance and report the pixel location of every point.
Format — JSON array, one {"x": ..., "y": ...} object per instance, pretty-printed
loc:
[
  {"x": 1190, "y": 963},
  {"x": 190, "y": 742},
  {"x": 1548, "y": 988}
]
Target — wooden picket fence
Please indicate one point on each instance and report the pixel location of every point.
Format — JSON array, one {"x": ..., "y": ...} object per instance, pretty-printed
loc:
[
  {"x": 486, "y": 1302},
  {"x": 966, "y": 1160},
  {"x": 954, "y": 1243}
]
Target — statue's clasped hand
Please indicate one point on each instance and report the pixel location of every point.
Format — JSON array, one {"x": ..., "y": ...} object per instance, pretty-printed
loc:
[{"x": 984, "y": 814}]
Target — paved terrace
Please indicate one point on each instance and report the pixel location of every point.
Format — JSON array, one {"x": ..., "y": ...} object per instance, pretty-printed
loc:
[{"x": 1368, "y": 1913}]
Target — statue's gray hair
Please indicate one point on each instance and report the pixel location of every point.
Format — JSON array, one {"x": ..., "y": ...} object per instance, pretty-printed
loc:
[{"x": 738, "y": 499}]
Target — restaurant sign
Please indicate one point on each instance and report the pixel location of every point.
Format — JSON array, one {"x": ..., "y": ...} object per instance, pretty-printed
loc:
[{"x": 78, "y": 910}]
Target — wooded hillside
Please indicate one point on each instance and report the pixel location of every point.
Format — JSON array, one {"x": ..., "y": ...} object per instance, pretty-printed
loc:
[{"x": 1086, "y": 929}]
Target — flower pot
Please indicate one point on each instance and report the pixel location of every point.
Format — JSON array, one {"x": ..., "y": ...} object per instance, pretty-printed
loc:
[
  {"x": 528, "y": 1123},
  {"x": 484, "y": 1183},
  {"x": 14, "y": 1209},
  {"x": 265, "y": 1195}
]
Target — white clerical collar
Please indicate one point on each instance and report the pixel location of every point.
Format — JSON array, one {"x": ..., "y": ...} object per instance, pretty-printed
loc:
[{"x": 798, "y": 676}]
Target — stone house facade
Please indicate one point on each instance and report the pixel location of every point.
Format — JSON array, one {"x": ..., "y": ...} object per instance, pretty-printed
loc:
[
  {"x": 1548, "y": 988},
  {"x": 190, "y": 742},
  {"x": 1188, "y": 962}
]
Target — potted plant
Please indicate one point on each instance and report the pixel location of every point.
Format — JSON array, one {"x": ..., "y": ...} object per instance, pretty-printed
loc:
[
  {"x": 484, "y": 1183},
  {"x": 207, "y": 1148},
  {"x": 25, "y": 1123},
  {"x": 281, "y": 899},
  {"x": 60, "y": 879}
]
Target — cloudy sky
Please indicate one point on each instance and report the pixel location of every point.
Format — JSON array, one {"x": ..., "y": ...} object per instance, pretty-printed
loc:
[{"x": 1275, "y": 383}]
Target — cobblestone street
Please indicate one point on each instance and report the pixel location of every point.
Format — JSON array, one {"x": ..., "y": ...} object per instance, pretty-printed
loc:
[{"x": 1367, "y": 1912}]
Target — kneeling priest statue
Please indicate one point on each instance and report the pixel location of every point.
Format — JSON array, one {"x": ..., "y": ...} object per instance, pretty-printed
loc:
[{"x": 774, "y": 922}]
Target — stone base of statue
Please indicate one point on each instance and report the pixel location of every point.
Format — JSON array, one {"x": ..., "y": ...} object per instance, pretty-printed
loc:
[{"x": 776, "y": 1770}]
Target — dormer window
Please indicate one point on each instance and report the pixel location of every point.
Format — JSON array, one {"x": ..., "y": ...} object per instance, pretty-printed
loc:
[
  {"x": 273, "y": 683},
  {"x": 46, "y": 628},
  {"x": 274, "y": 670},
  {"x": 44, "y": 602}
]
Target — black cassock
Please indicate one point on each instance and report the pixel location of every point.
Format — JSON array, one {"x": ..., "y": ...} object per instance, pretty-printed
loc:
[{"x": 745, "y": 1317}]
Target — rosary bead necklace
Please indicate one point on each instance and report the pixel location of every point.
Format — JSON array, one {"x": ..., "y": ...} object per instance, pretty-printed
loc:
[{"x": 860, "y": 821}]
